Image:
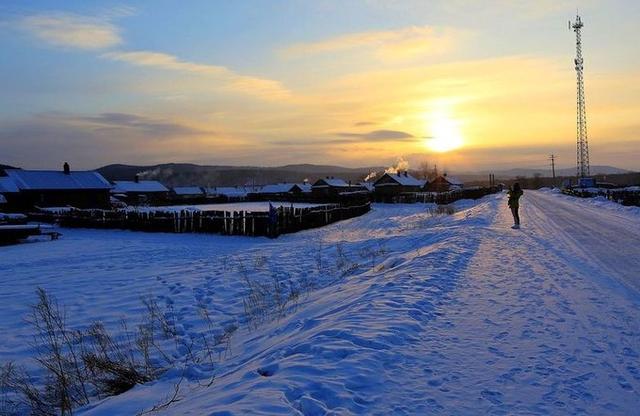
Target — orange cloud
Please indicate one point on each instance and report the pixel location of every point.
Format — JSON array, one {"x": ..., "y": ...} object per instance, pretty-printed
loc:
[
  {"x": 261, "y": 87},
  {"x": 403, "y": 43}
]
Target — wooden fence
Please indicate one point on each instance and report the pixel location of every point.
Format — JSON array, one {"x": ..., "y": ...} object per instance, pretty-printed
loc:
[
  {"x": 282, "y": 220},
  {"x": 444, "y": 198}
]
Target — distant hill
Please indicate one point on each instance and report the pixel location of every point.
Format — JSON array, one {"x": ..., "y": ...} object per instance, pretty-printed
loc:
[
  {"x": 546, "y": 172},
  {"x": 6, "y": 167},
  {"x": 182, "y": 174}
]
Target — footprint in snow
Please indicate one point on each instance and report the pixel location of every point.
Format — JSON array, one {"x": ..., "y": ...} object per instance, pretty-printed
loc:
[
  {"x": 269, "y": 370},
  {"x": 495, "y": 397}
]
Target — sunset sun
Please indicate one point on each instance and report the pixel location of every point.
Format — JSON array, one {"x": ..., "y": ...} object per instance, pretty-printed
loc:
[{"x": 445, "y": 134}]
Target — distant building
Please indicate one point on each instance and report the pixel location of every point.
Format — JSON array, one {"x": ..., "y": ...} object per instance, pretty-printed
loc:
[
  {"x": 392, "y": 185},
  {"x": 444, "y": 183},
  {"x": 27, "y": 189},
  {"x": 284, "y": 190},
  {"x": 331, "y": 187},
  {"x": 228, "y": 193},
  {"x": 137, "y": 192},
  {"x": 187, "y": 193}
]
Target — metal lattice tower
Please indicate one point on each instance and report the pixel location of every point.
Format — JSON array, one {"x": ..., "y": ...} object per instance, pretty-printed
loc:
[{"x": 583, "y": 144}]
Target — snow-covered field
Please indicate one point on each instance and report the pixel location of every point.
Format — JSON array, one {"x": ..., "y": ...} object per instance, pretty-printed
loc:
[{"x": 404, "y": 312}]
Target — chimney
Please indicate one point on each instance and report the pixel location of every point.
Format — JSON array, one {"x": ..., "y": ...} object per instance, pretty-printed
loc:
[
  {"x": 406, "y": 174},
  {"x": 136, "y": 178},
  {"x": 66, "y": 169}
]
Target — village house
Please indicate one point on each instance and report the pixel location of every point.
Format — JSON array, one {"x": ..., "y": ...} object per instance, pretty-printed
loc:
[
  {"x": 444, "y": 183},
  {"x": 331, "y": 187},
  {"x": 284, "y": 190},
  {"x": 28, "y": 189},
  {"x": 137, "y": 192},
  {"x": 391, "y": 185},
  {"x": 187, "y": 194},
  {"x": 228, "y": 193}
]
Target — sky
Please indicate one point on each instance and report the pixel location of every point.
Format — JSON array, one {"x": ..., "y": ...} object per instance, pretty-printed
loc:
[{"x": 467, "y": 85}]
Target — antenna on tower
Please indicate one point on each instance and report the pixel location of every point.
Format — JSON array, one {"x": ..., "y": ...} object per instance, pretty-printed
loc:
[{"x": 582, "y": 153}]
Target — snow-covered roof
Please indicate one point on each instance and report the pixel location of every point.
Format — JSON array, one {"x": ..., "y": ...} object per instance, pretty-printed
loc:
[
  {"x": 228, "y": 191},
  {"x": 403, "y": 179},
  {"x": 54, "y": 179},
  {"x": 277, "y": 188},
  {"x": 305, "y": 187},
  {"x": 187, "y": 190},
  {"x": 7, "y": 185},
  {"x": 123, "y": 187},
  {"x": 452, "y": 180},
  {"x": 335, "y": 182},
  {"x": 367, "y": 185}
]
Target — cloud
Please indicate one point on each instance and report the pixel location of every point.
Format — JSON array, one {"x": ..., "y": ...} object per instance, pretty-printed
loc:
[
  {"x": 364, "y": 123},
  {"x": 91, "y": 140},
  {"x": 402, "y": 43},
  {"x": 71, "y": 30},
  {"x": 261, "y": 87},
  {"x": 375, "y": 136},
  {"x": 118, "y": 121}
]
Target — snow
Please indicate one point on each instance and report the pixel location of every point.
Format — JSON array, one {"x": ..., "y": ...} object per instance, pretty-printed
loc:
[
  {"x": 123, "y": 187},
  {"x": 366, "y": 185},
  {"x": 187, "y": 190},
  {"x": 3, "y": 200},
  {"x": 333, "y": 182},
  {"x": 277, "y": 188},
  {"x": 7, "y": 185},
  {"x": 401, "y": 179},
  {"x": 598, "y": 201},
  {"x": 12, "y": 217},
  {"x": 229, "y": 191},
  {"x": 53, "y": 179},
  {"x": 451, "y": 314}
]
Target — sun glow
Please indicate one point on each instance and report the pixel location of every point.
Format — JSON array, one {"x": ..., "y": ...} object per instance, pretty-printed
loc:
[{"x": 445, "y": 133}]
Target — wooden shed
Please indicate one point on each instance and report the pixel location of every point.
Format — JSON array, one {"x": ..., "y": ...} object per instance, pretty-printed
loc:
[
  {"x": 444, "y": 183},
  {"x": 137, "y": 192}
]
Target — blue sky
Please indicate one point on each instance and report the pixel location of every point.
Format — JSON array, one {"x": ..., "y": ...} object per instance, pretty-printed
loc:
[{"x": 469, "y": 85}]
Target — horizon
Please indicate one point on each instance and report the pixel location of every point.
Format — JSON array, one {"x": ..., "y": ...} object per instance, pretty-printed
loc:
[{"x": 466, "y": 87}]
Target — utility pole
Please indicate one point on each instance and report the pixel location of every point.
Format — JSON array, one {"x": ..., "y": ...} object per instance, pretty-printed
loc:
[
  {"x": 552, "y": 158},
  {"x": 582, "y": 145}
]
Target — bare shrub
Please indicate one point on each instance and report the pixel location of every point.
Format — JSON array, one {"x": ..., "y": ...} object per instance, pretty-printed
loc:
[
  {"x": 266, "y": 300},
  {"x": 79, "y": 365},
  {"x": 113, "y": 366},
  {"x": 373, "y": 253},
  {"x": 437, "y": 210}
]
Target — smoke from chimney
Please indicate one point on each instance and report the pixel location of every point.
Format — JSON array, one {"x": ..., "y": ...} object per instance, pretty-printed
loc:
[{"x": 401, "y": 164}]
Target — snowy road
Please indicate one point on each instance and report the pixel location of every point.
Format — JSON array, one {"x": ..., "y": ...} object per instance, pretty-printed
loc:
[
  {"x": 604, "y": 240},
  {"x": 444, "y": 315},
  {"x": 539, "y": 323}
]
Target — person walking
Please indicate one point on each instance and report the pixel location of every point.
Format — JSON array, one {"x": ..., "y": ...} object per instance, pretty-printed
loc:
[{"x": 514, "y": 203}]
